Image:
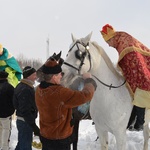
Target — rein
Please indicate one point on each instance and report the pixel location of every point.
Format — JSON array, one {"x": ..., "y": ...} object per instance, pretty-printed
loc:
[
  {"x": 71, "y": 66},
  {"x": 82, "y": 62},
  {"x": 110, "y": 86}
]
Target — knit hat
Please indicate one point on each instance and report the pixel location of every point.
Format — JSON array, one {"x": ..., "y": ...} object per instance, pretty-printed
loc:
[
  {"x": 107, "y": 32},
  {"x": 51, "y": 67},
  {"x": 3, "y": 74},
  {"x": 27, "y": 71}
]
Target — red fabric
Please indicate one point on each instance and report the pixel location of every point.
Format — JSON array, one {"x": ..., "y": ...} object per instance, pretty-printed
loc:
[
  {"x": 134, "y": 60},
  {"x": 104, "y": 29}
]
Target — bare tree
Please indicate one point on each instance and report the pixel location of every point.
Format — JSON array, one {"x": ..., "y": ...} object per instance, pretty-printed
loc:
[{"x": 23, "y": 61}]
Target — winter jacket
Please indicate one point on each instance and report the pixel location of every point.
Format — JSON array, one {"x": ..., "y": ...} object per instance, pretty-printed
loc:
[
  {"x": 24, "y": 101},
  {"x": 55, "y": 104},
  {"x": 6, "y": 99}
]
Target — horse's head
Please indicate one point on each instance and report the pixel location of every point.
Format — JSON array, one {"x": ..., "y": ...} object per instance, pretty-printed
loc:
[
  {"x": 56, "y": 57},
  {"x": 79, "y": 59}
]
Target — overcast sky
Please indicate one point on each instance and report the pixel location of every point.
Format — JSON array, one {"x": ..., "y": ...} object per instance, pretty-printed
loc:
[{"x": 25, "y": 25}]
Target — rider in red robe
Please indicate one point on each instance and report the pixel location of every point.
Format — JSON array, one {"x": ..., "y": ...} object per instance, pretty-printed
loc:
[{"x": 134, "y": 63}]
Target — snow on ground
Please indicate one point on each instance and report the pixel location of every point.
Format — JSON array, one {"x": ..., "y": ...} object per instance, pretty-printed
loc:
[{"x": 87, "y": 137}]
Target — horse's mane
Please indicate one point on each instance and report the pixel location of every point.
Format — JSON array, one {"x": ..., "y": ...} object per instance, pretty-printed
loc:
[{"x": 106, "y": 58}]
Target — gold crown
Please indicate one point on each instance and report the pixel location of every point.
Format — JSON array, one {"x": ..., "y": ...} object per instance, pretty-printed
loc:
[
  {"x": 107, "y": 32},
  {"x": 1, "y": 49}
]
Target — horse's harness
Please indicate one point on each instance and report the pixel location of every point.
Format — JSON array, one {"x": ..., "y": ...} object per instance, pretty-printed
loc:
[{"x": 81, "y": 56}]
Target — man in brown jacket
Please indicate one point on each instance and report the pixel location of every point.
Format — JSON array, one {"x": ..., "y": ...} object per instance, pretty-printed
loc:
[{"x": 55, "y": 104}]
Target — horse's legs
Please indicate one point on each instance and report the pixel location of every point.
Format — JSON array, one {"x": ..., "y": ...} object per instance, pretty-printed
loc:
[
  {"x": 75, "y": 132},
  {"x": 146, "y": 136},
  {"x": 103, "y": 137},
  {"x": 146, "y": 129},
  {"x": 120, "y": 136}
]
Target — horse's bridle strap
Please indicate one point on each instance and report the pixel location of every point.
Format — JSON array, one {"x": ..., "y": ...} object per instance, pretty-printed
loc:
[
  {"x": 110, "y": 86},
  {"x": 82, "y": 60},
  {"x": 70, "y": 65}
]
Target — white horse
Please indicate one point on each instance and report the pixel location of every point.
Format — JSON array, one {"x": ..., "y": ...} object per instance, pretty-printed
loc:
[
  {"x": 146, "y": 131},
  {"x": 111, "y": 105}
]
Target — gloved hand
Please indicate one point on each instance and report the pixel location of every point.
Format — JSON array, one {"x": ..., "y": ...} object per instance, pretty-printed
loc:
[
  {"x": 36, "y": 129},
  {"x": 90, "y": 80},
  {"x": 86, "y": 75}
]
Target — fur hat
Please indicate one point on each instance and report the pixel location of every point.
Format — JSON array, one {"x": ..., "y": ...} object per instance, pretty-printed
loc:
[
  {"x": 3, "y": 74},
  {"x": 51, "y": 67},
  {"x": 27, "y": 71},
  {"x": 107, "y": 32}
]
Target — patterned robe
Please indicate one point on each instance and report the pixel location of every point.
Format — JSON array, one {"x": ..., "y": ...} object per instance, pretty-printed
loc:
[{"x": 134, "y": 62}]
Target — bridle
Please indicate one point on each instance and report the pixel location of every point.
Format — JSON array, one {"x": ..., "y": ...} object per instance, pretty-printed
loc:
[{"x": 81, "y": 56}]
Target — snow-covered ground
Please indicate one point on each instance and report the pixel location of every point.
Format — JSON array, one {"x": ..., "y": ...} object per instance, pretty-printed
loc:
[{"x": 87, "y": 137}]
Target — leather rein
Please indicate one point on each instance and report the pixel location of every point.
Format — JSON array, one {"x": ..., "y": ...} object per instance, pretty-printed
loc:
[{"x": 89, "y": 58}]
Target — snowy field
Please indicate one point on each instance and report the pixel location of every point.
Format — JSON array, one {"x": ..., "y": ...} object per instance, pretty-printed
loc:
[{"x": 87, "y": 137}]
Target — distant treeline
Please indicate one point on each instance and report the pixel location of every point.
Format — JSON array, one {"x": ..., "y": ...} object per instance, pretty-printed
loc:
[{"x": 36, "y": 63}]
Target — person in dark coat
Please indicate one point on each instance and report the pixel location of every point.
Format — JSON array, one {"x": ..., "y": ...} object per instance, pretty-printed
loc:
[
  {"x": 26, "y": 110},
  {"x": 6, "y": 110}
]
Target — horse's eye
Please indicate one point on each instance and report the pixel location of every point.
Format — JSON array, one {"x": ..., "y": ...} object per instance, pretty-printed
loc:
[{"x": 78, "y": 54}]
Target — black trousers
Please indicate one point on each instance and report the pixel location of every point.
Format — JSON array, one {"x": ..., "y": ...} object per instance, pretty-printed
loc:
[
  {"x": 64, "y": 144},
  {"x": 137, "y": 115}
]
